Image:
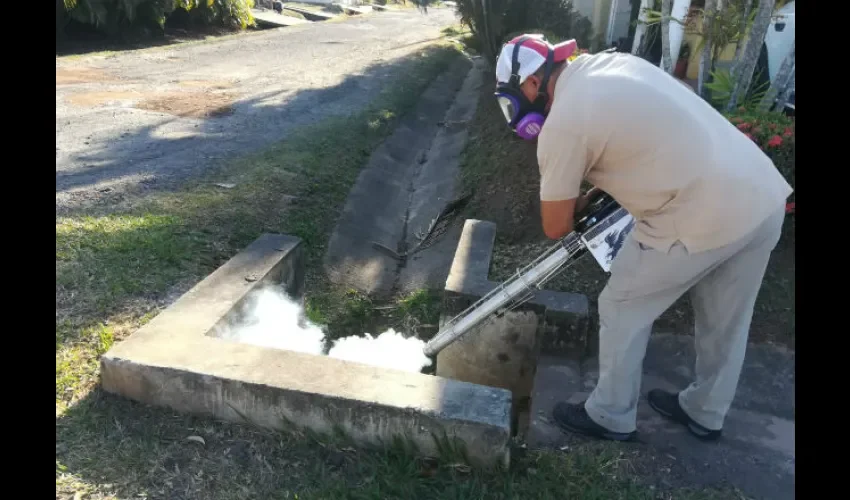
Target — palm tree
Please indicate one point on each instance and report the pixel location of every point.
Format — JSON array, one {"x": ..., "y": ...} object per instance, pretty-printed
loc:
[
  {"x": 707, "y": 57},
  {"x": 745, "y": 66},
  {"x": 745, "y": 18},
  {"x": 781, "y": 82},
  {"x": 666, "y": 59}
]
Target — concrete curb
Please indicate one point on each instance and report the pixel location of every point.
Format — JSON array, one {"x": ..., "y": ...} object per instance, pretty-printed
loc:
[{"x": 175, "y": 362}]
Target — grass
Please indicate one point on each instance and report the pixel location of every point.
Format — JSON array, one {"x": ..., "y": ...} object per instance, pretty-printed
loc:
[
  {"x": 116, "y": 267},
  {"x": 112, "y": 448},
  {"x": 502, "y": 170},
  {"x": 348, "y": 312}
]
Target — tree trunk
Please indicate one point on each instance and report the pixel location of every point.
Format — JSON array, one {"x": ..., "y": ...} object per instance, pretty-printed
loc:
[
  {"x": 783, "y": 76},
  {"x": 747, "y": 63},
  {"x": 639, "y": 40},
  {"x": 666, "y": 60},
  {"x": 705, "y": 62},
  {"x": 786, "y": 92},
  {"x": 742, "y": 40}
]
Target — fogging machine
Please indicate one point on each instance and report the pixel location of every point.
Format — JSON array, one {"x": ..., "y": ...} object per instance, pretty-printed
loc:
[{"x": 599, "y": 229}]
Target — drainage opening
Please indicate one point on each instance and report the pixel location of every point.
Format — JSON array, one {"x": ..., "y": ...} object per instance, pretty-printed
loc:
[{"x": 370, "y": 334}]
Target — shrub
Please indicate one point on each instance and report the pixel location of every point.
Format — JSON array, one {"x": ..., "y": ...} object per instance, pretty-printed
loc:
[
  {"x": 774, "y": 133},
  {"x": 557, "y": 19},
  {"x": 118, "y": 17}
]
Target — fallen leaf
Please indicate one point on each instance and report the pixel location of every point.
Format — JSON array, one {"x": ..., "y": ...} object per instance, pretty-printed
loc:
[{"x": 197, "y": 439}]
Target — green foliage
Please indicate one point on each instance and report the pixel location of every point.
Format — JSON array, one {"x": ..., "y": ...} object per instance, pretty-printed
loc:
[
  {"x": 557, "y": 19},
  {"x": 233, "y": 13},
  {"x": 722, "y": 85},
  {"x": 115, "y": 17},
  {"x": 774, "y": 133}
]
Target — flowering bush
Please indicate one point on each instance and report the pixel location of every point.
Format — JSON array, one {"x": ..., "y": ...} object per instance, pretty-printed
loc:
[{"x": 775, "y": 135}]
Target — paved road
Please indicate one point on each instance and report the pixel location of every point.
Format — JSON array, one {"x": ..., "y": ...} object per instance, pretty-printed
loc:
[{"x": 112, "y": 128}]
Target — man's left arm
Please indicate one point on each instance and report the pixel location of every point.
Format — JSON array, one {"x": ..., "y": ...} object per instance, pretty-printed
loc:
[{"x": 563, "y": 161}]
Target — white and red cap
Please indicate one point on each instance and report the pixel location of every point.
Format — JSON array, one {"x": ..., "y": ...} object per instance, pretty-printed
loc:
[{"x": 532, "y": 55}]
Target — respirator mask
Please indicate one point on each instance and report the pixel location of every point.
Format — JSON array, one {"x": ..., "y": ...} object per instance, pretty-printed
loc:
[{"x": 523, "y": 116}]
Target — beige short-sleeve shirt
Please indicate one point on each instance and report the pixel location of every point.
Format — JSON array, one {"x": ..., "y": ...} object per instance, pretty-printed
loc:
[{"x": 677, "y": 165}]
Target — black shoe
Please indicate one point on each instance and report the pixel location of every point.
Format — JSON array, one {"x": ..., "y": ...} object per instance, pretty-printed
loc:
[
  {"x": 667, "y": 404},
  {"x": 574, "y": 418}
]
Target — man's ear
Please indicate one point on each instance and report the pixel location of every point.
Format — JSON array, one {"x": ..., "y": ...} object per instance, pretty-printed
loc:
[{"x": 531, "y": 86}]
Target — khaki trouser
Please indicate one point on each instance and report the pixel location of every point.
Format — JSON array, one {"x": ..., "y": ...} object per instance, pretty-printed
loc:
[{"x": 723, "y": 283}]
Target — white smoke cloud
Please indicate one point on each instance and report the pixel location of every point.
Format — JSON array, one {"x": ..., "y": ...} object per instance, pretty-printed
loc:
[
  {"x": 272, "y": 319},
  {"x": 388, "y": 350}
]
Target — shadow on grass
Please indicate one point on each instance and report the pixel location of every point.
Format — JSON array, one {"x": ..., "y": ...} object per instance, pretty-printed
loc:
[{"x": 107, "y": 445}]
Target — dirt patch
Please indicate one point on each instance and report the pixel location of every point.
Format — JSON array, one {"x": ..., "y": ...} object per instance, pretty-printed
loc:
[
  {"x": 192, "y": 105},
  {"x": 90, "y": 99},
  {"x": 70, "y": 76}
]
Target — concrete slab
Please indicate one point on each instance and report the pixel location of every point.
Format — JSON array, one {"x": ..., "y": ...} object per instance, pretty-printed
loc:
[
  {"x": 272, "y": 18},
  {"x": 174, "y": 361},
  {"x": 377, "y": 208},
  {"x": 316, "y": 15},
  {"x": 757, "y": 452},
  {"x": 351, "y": 9}
]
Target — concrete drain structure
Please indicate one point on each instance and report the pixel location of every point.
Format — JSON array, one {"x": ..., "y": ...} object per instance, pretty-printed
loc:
[
  {"x": 174, "y": 362},
  {"x": 479, "y": 398}
]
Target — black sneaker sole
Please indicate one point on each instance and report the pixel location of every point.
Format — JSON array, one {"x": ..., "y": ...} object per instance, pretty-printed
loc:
[
  {"x": 698, "y": 432},
  {"x": 613, "y": 436}
]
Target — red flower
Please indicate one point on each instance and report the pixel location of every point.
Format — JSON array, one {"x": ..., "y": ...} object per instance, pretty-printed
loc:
[
  {"x": 750, "y": 136},
  {"x": 735, "y": 119},
  {"x": 744, "y": 126},
  {"x": 775, "y": 141},
  {"x": 772, "y": 126},
  {"x": 788, "y": 132},
  {"x": 757, "y": 130}
]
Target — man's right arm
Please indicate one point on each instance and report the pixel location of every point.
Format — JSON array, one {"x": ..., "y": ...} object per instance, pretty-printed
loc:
[{"x": 562, "y": 158}]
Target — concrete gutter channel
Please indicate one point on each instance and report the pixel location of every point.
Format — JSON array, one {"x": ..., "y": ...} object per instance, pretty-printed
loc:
[
  {"x": 407, "y": 183},
  {"x": 478, "y": 396}
]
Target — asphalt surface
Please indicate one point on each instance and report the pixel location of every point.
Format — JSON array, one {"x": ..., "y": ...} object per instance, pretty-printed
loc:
[{"x": 109, "y": 135}]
